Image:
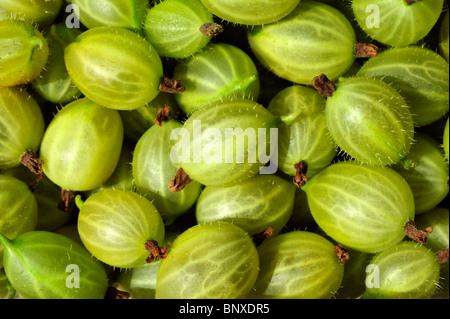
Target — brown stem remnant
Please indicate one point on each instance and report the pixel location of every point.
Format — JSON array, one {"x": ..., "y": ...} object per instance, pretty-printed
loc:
[
  {"x": 32, "y": 161},
  {"x": 342, "y": 253},
  {"x": 179, "y": 182},
  {"x": 363, "y": 50},
  {"x": 442, "y": 256},
  {"x": 114, "y": 293},
  {"x": 32, "y": 185},
  {"x": 324, "y": 86},
  {"x": 410, "y": 2},
  {"x": 66, "y": 201},
  {"x": 211, "y": 29},
  {"x": 171, "y": 86},
  {"x": 413, "y": 232},
  {"x": 300, "y": 178},
  {"x": 259, "y": 238},
  {"x": 155, "y": 251},
  {"x": 163, "y": 115}
]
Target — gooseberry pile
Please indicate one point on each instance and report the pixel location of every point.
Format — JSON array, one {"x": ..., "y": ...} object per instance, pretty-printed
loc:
[{"x": 224, "y": 149}]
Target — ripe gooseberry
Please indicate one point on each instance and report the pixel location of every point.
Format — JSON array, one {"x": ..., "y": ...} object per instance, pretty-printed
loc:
[
  {"x": 179, "y": 28},
  {"x": 39, "y": 264},
  {"x": 35, "y": 11},
  {"x": 114, "y": 67},
  {"x": 24, "y": 52},
  {"x": 299, "y": 257},
  {"x": 443, "y": 37},
  {"x": 361, "y": 207},
  {"x": 215, "y": 260},
  {"x": 398, "y": 22},
  {"x": 121, "y": 228},
  {"x": 419, "y": 74}
]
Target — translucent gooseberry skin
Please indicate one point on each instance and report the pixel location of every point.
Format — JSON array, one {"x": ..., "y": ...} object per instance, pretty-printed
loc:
[
  {"x": 307, "y": 139},
  {"x": 406, "y": 271},
  {"x": 114, "y": 67},
  {"x": 428, "y": 175},
  {"x": 419, "y": 74},
  {"x": 35, "y": 11},
  {"x": 48, "y": 196},
  {"x": 81, "y": 146},
  {"x": 224, "y": 116},
  {"x": 18, "y": 209},
  {"x": 444, "y": 37},
  {"x": 399, "y": 24},
  {"x": 24, "y": 52},
  {"x": 112, "y": 13},
  {"x": 258, "y": 203},
  {"x": 361, "y": 207},
  {"x": 250, "y": 12},
  {"x": 209, "y": 261},
  {"x": 327, "y": 43},
  {"x": 22, "y": 125},
  {"x": 54, "y": 83},
  {"x": 172, "y": 27},
  {"x": 218, "y": 71},
  {"x": 299, "y": 257},
  {"x": 128, "y": 221},
  {"x": 152, "y": 171},
  {"x": 40, "y": 264},
  {"x": 370, "y": 121}
]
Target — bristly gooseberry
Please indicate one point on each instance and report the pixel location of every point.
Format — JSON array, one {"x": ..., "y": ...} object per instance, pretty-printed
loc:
[
  {"x": 114, "y": 67},
  {"x": 215, "y": 260},
  {"x": 426, "y": 172},
  {"x": 121, "y": 228},
  {"x": 152, "y": 170},
  {"x": 397, "y": 22},
  {"x": 261, "y": 202},
  {"x": 255, "y": 12},
  {"x": 18, "y": 209},
  {"x": 81, "y": 145},
  {"x": 223, "y": 143},
  {"x": 112, "y": 13},
  {"x": 35, "y": 11},
  {"x": 46, "y": 265},
  {"x": 369, "y": 120},
  {"x": 361, "y": 207},
  {"x": 315, "y": 38},
  {"x": 406, "y": 271},
  {"x": 307, "y": 139},
  {"x": 24, "y": 52},
  {"x": 218, "y": 71},
  {"x": 419, "y": 74},
  {"x": 297, "y": 265},
  {"x": 54, "y": 83},
  {"x": 22, "y": 127},
  {"x": 179, "y": 28}
]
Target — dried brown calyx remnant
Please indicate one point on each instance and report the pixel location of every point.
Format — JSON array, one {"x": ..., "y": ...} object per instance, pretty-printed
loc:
[
  {"x": 409, "y": 2},
  {"x": 300, "y": 178},
  {"x": 323, "y": 85},
  {"x": 114, "y": 293},
  {"x": 163, "y": 115},
  {"x": 66, "y": 202},
  {"x": 413, "y": 232},
  {"x": 211, "y": 29},
  {"x": 259, "y": 238},
  {"x": 155, "y": 251},
  {"x": 171, "y": 86},
  {"x": 442, "y": 256},
  {"x": 342, "y": 253},
  {"x": 32, "y": 161},
  {"x": 363, "y": 50},
  {"x": 179, "y": 182}
]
